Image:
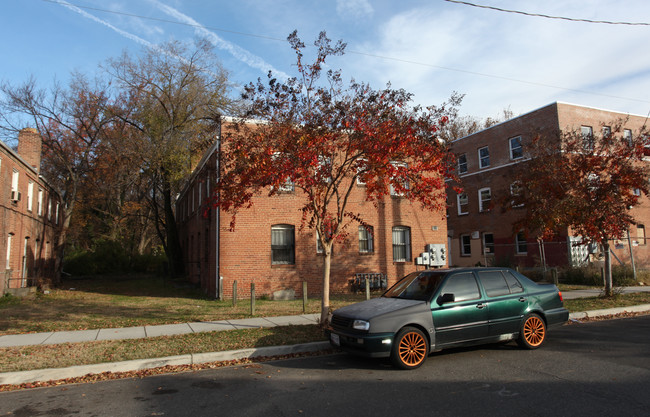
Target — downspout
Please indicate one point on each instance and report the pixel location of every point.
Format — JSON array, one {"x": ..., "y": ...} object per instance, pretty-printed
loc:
[{"x": 217, "y": 218}]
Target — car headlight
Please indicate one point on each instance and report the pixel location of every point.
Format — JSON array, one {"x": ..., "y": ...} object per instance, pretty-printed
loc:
[{"x": 361, "y": 325}]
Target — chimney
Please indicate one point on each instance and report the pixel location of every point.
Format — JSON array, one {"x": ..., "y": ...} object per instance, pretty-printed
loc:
[{"x": 30, "y": 146}]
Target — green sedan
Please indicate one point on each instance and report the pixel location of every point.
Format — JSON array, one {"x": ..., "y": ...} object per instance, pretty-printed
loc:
[{"x": 431, "y": 310}]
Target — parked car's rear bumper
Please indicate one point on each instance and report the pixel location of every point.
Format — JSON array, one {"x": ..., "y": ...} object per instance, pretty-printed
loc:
[
  {"x": 556, "y": 317},
  {"x": 373, "y": 345}
]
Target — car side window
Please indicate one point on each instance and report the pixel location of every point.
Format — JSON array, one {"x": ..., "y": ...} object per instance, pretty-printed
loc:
[
  {"x": 513, "y": 283},
  {"x": 463, "y": 286},
  {"x": 494, "y": 283}
]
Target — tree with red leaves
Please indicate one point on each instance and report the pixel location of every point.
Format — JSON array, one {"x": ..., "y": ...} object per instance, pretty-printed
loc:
[
  {"x": 584, "y": 182},
  {"x": 322, "y": 137}
]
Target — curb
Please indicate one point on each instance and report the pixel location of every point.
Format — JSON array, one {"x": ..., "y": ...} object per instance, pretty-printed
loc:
[
  {"x": 610, "y": 311},
  {"x": 42, "y": 375}
]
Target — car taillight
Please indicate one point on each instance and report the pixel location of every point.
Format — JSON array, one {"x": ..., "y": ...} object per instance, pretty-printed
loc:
[{"x": 560, "y": 294}]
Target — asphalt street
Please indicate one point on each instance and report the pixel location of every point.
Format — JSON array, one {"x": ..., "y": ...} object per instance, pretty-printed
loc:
[{"x": 585, "y": 369}]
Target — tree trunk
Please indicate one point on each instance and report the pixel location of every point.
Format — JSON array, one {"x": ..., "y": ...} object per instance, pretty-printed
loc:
[
  {"x": 173, "y": 247},
  {"x": 325, "y": 303},
  {"x": 608, "y": 269}
]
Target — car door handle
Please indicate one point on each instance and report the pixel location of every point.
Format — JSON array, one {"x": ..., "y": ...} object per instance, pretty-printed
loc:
[
  {"x": 481, "y": 305},
  {"x": 522, "y": 299}
]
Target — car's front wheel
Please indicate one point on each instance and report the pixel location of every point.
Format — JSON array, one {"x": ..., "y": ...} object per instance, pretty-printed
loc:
[
  {"x": 533, "y": 332},
  {"x": 410, "y": 348}
]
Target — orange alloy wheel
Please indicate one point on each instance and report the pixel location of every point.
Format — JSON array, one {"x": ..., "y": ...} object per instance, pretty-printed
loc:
[
  {"x": 534, "y": 331},
  {"x": 412, "y": 349}
]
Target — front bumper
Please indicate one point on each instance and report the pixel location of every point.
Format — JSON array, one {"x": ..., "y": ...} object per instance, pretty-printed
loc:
[{"x": 372, "y": 345}]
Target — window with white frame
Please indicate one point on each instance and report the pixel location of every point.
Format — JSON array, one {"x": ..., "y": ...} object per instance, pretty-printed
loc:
[
  {"x": 287, "y": 186},
  {"x": 361, "y": 169},
  {"x": 484, "y": 198},
  {"x": 56, "y": 213},
  {"x": 462, "y": 163},
  {"x": 488, "y": 243},
  {"x": 282, "y": 244},
  {"x": 607, "y": 131},
  {"x": 319, "y": 246},
  {"x": 401, "y": 244},
  {"x": 516, "y": 150},
  {"x": 14, "y": 185},
  {"x": 588, "y": 141},
  {"x": 8, "y": 260},
  {"x": 640, "y": 234},
  {"x": 39, "y": 202},
  {"x": 627, "y": 136},
  {"x": 49, "y": 209},
  {"x": 463, "y": 202},
  {"x": 484, "y": 157},
  {"x": 465, "y": 245},
  {"x": 30, "y": 195},
  {"x": 400, "y": 185},
  {"x": 366, "y": 239},
  {"x": 516, "y": 191},
  {"x": 520, "y": 244}
]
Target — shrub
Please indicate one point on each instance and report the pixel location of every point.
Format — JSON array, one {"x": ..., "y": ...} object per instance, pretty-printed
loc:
[{"x": 110, "y": 257}]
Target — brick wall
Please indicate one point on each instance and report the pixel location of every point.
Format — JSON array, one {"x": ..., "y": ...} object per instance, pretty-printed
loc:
[
  {"x": 27, "y": 235},
  {"x": 244, "y": 255},
  {"x": 498, "y": 177}
]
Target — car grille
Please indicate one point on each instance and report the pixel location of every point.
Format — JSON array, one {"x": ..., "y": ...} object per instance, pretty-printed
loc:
[{"x": 341, "y": 322}]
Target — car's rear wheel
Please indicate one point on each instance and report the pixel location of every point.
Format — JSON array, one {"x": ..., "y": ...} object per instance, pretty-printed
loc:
[
  {"x": 533, "y": 332},
  {"x": 410, "y": 348}
]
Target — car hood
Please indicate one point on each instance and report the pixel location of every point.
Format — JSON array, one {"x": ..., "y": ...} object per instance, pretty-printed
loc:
[{"x": 368, "y": 309}]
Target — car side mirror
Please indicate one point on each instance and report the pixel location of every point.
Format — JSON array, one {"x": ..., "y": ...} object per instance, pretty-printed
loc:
[{"x": 446, "y": 298}]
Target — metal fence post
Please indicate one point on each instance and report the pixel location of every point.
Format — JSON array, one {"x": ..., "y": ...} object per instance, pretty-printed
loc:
[
  {"x": 304, "y": 297},
  {"x": 234, "y": 293},
  {"x": 252, "y": 298}
]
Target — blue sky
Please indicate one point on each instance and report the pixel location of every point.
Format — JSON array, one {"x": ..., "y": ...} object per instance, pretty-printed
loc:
[{"x": 428, "y": 47}]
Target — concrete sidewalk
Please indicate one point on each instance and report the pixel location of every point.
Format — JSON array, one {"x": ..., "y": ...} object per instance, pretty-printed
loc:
[{"x": 142, "y": 332}]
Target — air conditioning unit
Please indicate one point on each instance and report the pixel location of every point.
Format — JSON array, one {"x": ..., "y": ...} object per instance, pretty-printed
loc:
[{"x": 15, "y": 196}]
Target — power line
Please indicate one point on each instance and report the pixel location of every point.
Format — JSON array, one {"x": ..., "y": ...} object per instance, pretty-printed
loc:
[
  {"x": 362, "y": 53},
  {"x": 607, "y": 22}
]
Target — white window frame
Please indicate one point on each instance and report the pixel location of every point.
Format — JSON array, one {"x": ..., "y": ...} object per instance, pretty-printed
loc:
[
  {"x": 405, "y": 233},
  {"x": 515, "y": 191},
  {"x": 8, "y": 258},
  {"x": 462, "y": 166},
  {"x": 482, "y": 206},
  {"x": 588, "y": 140},
  {"x": 393, "y": 191},
  {"x": 286, "y": 228},
  {"x": 56, "y": 213},
  {"x": 360, "y": 168},
  {"x": 30, "y": 195},
  {"x": 519, "y": 149},
  {"x": 462, "y": 239},
  {"x": 287, "y": 186},
  {"x": 486, "y": 246},
  {"x": 627, "y": 135},
  {"x": 520, "y": 241},
  {"x": 366, "y": 236},
  {"x": 484, "y": 160},
  {"x": 39, "y": 202},
  {"x": 460, "y": 204}
]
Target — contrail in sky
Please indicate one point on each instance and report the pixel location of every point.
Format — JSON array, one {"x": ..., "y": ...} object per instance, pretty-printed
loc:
[
  {"x": 239, "y": 53},
  {"x": 105, "y": 23}
]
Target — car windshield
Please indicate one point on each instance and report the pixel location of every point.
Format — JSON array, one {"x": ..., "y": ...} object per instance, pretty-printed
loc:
[{"x": 416, "y": 286}]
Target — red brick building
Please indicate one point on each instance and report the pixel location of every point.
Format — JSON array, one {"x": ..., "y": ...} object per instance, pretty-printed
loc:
[
  {"x": 479, "y": 234},
  {"x": 29, "y": 216},
  {"x": 269, "y": 248}
]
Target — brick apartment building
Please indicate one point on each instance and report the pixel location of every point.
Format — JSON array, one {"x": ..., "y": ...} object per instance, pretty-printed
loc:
[
  {"x": 268, "y": 247},
  {"x": 29, "y": 216},
  {"x": 479, "y": 234}
]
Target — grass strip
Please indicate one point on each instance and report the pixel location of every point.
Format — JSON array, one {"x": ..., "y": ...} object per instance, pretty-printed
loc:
[{"x": 72, "y": 354}]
